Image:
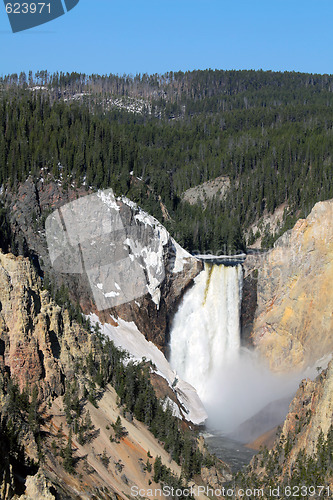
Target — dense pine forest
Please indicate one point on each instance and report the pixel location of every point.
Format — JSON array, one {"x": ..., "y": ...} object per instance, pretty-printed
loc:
[{"x": 152, "y": 137}]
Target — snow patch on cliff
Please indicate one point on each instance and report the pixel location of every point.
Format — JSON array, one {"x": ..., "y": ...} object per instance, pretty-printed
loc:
[
  {"x": 168, "y": 403},
  {"x": 127, "y": 336},
  {"x": 180, "y": 257},
  {"x": 153, "y": 255},
  {"x": 108, "y": 199}
]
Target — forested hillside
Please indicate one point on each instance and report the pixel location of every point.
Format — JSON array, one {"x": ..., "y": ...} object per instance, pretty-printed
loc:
[{"x": 153, "y": 137}]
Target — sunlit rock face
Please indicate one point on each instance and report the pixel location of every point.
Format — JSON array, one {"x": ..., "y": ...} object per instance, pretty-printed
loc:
[
  {"x": 294, "y": 319},
  {"x": 38, "y": 342}
]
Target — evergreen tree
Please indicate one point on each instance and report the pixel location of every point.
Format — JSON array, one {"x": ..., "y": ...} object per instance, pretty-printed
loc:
[{"x": 68, "y": 460}]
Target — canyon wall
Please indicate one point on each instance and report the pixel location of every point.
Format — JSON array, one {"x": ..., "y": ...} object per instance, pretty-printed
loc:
[
  {"x": 302, "y": 451},
  {"x": 34, "y": 201},
  {"x": 293, "y": 325},
  {"x": 38, "y": 343}
]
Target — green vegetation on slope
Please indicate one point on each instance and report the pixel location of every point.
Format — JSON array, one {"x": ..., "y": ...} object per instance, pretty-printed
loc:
[
  {"x": 22, "y": 414},
  {"x": 310, "y": 476},
  {"x": 271, "y": 133}
]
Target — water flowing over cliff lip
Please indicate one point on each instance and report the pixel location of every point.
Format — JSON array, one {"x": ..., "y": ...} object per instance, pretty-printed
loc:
[
  {"x": 209, "y": 256},
  {"x": 127, "y": 336},
  {"x": 226, "y": 260}
]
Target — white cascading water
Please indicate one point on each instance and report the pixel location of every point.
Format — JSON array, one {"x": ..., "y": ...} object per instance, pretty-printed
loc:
[
  {"x": 205, "y": 336},
  {"x": 205, "y": 350}
]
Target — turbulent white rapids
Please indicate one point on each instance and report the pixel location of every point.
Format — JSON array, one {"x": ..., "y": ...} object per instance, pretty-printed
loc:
[{"x": 205, "y": 336}]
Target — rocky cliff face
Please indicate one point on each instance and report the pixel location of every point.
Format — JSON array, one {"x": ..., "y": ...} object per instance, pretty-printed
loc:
[
  {"x": 310, "y": 414},
  {"x": 302, "y": 452},
  {"x": 249, "y": 301},
  {"x": 39, "y": 348},
  {"x": 294, "y": 320},
  {"x": 29, "y": 208},
  {"x": 39, "y": 345}
]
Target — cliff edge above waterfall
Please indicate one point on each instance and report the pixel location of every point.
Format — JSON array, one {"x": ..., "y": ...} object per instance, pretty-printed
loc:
[{"x": 294, "y": 321}]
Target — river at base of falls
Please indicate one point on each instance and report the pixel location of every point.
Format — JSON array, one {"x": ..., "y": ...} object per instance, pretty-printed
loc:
[{"x": 235, "y": 454}]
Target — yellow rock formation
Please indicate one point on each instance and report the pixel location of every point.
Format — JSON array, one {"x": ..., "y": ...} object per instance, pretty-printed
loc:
[{"x": 294, "y": 321}]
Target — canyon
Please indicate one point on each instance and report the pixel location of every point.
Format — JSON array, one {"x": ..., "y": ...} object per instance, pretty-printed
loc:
[
  {"x": 208, "y": 320},
  {"x": 42, "y": 347}
]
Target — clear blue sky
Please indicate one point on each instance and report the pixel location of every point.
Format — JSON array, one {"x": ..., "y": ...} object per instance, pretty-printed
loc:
[{"x": 133, "y": 36}]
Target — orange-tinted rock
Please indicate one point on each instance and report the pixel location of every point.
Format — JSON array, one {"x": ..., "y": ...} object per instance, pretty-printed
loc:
[{"x": 38, "y": 344}]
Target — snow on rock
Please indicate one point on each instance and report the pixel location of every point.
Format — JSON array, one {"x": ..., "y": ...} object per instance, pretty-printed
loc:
[
  {"x": 128, "y": 202},
  {"x": 111, "y": 294},
  {"x": 153, "y": 255},
  {"x": 108, "y": 199},
  {"x": 120, "y": 242},
  {"x": 127, "y": 336},
  {"x": 180, "y": 256},
  {"x": 168, "y": 403}
]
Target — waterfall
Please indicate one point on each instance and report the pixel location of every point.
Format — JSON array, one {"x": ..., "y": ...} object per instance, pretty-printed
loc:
[
  {"x": 205, "y": 350},
  {"x": 205, "y": 335}
]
